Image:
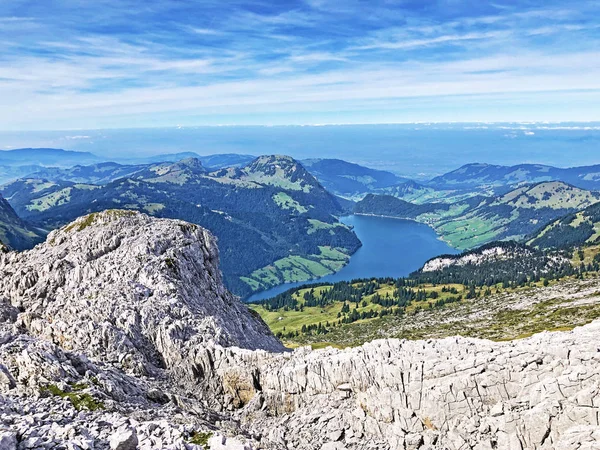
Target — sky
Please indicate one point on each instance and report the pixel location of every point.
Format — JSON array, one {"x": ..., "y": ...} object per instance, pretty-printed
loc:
[{"x": 77, "y": 64}]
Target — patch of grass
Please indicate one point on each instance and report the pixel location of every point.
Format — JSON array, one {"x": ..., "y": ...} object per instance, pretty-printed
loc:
[
  {"x": 297, "y": 268},
  {"x": 200, "y": 438},
  {"x": 284, "y": 201},
  {"x": 90, "y": 219},
  {"x": 79, "y": 400}
]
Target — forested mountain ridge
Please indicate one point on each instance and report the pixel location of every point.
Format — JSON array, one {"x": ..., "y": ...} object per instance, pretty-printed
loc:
[
  {"x": 350, "y": 180},
  {"x": 574, "y": 230},
  {"x": 274, "y": 221},
  {"x": 489, "y": 253},
  {"x": 391, "y": 206}
]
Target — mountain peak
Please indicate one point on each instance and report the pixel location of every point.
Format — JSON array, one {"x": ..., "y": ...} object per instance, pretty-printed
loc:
[
  {"x": 271, "y": 160},
  {"x": 280, "y": 171},
  {"x": 189, "y": 163},
  {"x": 179, "y": 172}
]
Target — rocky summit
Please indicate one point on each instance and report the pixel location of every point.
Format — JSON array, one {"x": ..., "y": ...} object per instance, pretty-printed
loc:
[{"x": 117, "y": 333}]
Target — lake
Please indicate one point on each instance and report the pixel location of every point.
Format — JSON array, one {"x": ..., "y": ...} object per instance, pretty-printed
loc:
[{"x": 391, "y": 248}]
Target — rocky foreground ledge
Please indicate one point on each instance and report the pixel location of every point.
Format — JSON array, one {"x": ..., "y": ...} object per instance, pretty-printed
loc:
[{"x": 118, "y": 333}]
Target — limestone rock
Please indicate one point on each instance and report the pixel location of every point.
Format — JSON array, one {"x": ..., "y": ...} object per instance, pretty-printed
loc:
[
  {"x": 8, "y": 440},
  {"x": 124, "y": 439}
]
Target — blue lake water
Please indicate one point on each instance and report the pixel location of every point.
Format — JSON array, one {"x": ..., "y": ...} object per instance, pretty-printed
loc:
[{"x": 391, "y": 248}]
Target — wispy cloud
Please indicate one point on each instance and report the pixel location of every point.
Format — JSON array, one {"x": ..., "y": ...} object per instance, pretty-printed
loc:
[{"x": 73, "y": 64}]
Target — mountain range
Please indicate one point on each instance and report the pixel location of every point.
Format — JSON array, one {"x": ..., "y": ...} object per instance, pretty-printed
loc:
[
  {"x": 60, "y": 164},
  {"x": 348, "y": 179},
  {"x": 284, "y": 209},
  {"x": 487, "y": 175},
  {"x": 274, "y": 221}
]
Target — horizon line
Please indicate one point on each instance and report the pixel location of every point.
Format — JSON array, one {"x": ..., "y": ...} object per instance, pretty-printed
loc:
[{"x": 332, "y": 124}]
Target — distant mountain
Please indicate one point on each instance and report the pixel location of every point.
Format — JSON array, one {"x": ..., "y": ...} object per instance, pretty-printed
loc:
[
  {"x": 348, "y": 179},
  {"x": 281, "y": 171},
  {"x": 45, "y": 157},
  {"x": 217, "y": 161},
  {"x": 163, "y": 157},
  {"x": 477, "y": 175},
  {"x": 101, "y": 173},
  {"x": 15, "y": 233},
  {"x": 515, "y": 214},
  {"x": 274, "y": 221},
  {"x": 574, "y": 230},
  {"x": 106, "y": 172},
  {"x": 173, "y": 173},
  {"x": 21, "y": 162}
]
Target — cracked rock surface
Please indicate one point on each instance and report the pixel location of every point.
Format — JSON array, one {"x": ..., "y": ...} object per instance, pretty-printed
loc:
[{"x": 118, "y": 333}]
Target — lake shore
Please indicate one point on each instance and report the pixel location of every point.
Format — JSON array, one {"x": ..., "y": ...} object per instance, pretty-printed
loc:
[{"x": 391, "y": 248}]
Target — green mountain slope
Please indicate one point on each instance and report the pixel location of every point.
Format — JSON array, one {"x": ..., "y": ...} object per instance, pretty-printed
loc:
[
  {"x": 514, "y": 215},
  {"x": 349, "y": 180},
  {"x": 14, "y": 232},
  {"x": 478, "y": 220},
  {"x": 275, "y": 223}
]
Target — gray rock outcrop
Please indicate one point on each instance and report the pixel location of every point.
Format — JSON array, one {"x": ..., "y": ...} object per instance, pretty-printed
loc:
[{"x": 118, "y": 333}]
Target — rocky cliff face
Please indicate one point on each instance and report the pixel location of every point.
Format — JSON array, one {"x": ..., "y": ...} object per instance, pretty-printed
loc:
[
  {"x": 117, "y": 333},
  {"x": 123, "y": 287}
]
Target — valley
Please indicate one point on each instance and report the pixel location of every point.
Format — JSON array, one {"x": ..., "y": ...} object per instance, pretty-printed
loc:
[
  {"x": 483, "y": 286},
  {"x": 390, "y": 248},
  {"x": 286, "y": 213}
]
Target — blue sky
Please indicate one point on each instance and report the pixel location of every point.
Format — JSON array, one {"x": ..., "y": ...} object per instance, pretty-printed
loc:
[{"x": 68, "y": 64}]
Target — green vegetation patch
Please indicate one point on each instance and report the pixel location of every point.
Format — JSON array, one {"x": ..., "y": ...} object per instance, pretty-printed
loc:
[
  {"x": 79, "y": 400},
  {"x": 284, "y": 201},
  {"x": 51, "y": 200},
  {"x": 200, "y": 438},
  {"x": 90, "y": 219},
  {"x": 297, "y": 268}
]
